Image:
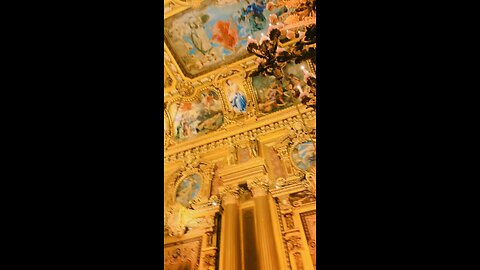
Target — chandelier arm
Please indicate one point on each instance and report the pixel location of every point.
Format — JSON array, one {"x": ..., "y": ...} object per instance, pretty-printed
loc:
[{"x": 295, "y": 101}]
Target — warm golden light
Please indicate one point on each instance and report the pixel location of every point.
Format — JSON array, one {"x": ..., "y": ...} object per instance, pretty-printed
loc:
[{"x": 240, "y": 135}]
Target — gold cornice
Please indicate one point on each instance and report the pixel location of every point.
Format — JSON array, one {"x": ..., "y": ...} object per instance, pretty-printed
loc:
[
  {"x": 297, "y": 187},
  {"x": 240, "y": 173},
  {"x": 271, "y": 122}
]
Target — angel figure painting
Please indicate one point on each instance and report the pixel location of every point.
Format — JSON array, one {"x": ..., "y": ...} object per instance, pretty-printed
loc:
[
  {"x": 303, "y": 156},
  {"x": 192, "y": 118},
  {"x": 215, "y": 33},
  {"x": 188, "y": 189},
  {"x": 236, "y": 97},
  {"x": 274, "y": 95}
]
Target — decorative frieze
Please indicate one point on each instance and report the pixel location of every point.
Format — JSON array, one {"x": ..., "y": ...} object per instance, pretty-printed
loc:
[
  {"x": 298, "y": 260},
  {"x": 294, "y": 243},
  {"x": 235, "y": 138},
  {"x": 209, "y": 259},
  {"x": 301, "y": 198},
  {"x": 289, "y": 221},
  {"x": 184, "y": 254}
]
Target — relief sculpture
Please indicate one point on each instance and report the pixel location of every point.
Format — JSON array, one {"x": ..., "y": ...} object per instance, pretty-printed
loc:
[
  {"x": 309, "y": 223},
  {"x": 184, "y": 255}
]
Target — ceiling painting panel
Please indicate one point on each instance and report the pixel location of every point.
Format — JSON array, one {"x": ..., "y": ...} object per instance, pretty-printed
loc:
[
  {"x": 209, "y": 90},
  {"x": 196, "y": 117},
  {"x": 216, "y": 33},
  {"x": 274, "y": 95}
]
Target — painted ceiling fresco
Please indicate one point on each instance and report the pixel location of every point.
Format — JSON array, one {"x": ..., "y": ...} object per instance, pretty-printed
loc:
[
  {"x": 205, "y": 112},
  {"x": 191, "y": 118},
  {"x": 204, "y": 87},
  {"x": 273, "y": 94},
  {"x": 215, "y": 33}
]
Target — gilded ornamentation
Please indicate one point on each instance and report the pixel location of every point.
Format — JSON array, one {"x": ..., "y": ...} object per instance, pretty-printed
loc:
[
  {"x": 294, "y": 243},
  {"x": 195, "y": 3},
  {"x": 185, "y": 88},
  {"x": 258, "y": 186},
  {"x": 203, "y": 222},
  {"x": 168, "y": 142},
  {"x": 232, "y": 155},
  {"x": 253, "y": 146},
  {"x": 311, "y": 181},
  {"x": 191, "y": 184},
  {"x": 298, "y": 260},
  {"x": 278, "y": 183},
  {"x": 209, "y": 259},
  {"x": 177, "y": 219},
  {"x": 167, "y": 79},
  {"x": 214, "y": 200},
  {"x": 168, "y": 7},
  {"x": 183, "y": 254},
  {"x": 169, "y": 63},
  {"x": 309, "y": 225},
  {"x": 282, "y": 152},
  {"x": 300, "y": 198},
  {"x": 229, "y": 193},
  {"x": 209, "y": 239},
  {"x": 191, "y": 161},
  {"x": 284, "y": 202},
  {"x": 298, "y": 153},
  {"x": 196, "y": 21},
  {"x": 289, "y": 221},
  {"x": 245, "y": 137},
  {"x": 260, "y": 131}
]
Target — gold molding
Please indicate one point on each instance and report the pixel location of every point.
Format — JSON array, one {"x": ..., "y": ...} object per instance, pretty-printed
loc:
[{"x": 260, "y": 126}]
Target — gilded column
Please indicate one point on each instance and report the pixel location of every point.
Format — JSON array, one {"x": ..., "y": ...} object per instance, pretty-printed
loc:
[
  {"x": 230, "y": 248},
  {"x": 268, "y": 252}
]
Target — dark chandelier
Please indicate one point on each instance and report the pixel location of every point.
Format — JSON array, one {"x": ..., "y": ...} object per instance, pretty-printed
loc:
[{"x": 273, "y": 58}]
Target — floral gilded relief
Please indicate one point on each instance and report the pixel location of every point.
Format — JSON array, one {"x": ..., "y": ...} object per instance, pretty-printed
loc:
[{"x": 183, "y": 255}]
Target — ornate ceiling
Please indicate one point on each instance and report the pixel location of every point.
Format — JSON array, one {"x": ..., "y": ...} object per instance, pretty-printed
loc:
[
  {"x": 208, "y": 92},
  {"x": 229, "y": 121}
]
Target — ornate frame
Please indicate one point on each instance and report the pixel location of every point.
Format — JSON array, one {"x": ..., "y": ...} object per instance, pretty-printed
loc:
[
  {"x": 290, "y": 152},
  {"x": 204, "y": 170}
]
